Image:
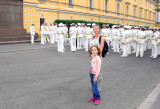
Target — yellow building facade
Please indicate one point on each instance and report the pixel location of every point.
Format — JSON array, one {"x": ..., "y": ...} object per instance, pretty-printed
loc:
[{"x": 128, "y": 12}]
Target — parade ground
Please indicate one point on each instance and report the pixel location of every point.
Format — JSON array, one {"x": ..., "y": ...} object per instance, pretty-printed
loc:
[{"x": 35, "y": 76}]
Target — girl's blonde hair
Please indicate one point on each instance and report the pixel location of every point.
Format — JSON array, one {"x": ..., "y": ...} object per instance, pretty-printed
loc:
[{"x": 90, "y": 51}]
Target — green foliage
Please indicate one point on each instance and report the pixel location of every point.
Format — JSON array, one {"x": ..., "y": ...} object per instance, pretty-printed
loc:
[
  {"x": 68, "y": 22},
  {"x": 158, "y": 10}
]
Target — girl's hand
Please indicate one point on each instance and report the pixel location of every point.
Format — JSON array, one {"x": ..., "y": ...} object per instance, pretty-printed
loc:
[{"x": 95, "y": 79}]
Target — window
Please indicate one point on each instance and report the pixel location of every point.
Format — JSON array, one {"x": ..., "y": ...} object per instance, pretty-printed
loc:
[
  {"x": 71, "y": 17},
  {"x": 42, "y": 2},
  {"x": 153, "y": 16},
  {"x": 141, "y": 1},
  {"x": 150, "y": 15},
  {"x": 42, "y": 20},
  {"x": 106, "y": 4},
  {"x": 91, "y": 3},
  {"x": 145, "y": 14},
  {"x": 127, "y": 10},
  {"x": 150, "y": 4},
  {"x": 146, "y": 2},
  {"x": 140, "y": 13},
  {"x": 134, "y": 12},
  {"x": 118, "y": 8},
  {"x": 91, "y": 19},
  {"x": 70, "y": 2}
]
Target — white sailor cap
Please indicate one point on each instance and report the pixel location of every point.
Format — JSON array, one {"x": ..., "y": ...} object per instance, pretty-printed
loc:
[
  {"x": 93, "y": 24},
  {"x": 117, "y": 26},
  {"x": 122, "y": 24},
  {"x": 141, "y": 26},
  {"x": 88, "y": 24},
  {"x": 113, "y": 26},
  {"x": 72, "y": 24},
  {"x": 79, "y": 24},
  {"x": 127, "y": 27},
  {"x": 137, "y": 27},
  {"x": 60, "y": 24},
  {"x": 104, "y": 25},
  {"x": 107, "y": 25}
]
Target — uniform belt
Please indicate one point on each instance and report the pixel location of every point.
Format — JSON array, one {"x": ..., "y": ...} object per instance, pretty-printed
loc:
[
  {"x": 106, "y": 36},
  {"x": 88, "y": 34},
  {"x": 60, "y": 33},
  {"x": 115, "y": 35},
  {"x": 125, "y": 38},
  {"x": 133, "y": 36},
  {"x": 79, "y": 34},
  {"x": 140, "y": 38},
  {"x": 51, "y": 30},
  {"x": 155, "y": 39}
]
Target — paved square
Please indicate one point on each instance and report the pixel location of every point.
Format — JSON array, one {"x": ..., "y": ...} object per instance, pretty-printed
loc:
[{"x": 41, "y": 78}]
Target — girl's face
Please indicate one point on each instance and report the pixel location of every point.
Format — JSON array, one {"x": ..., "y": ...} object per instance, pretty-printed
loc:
[
  {"x": 94, "y": 51},
  {"x": 96, "y": 30}
]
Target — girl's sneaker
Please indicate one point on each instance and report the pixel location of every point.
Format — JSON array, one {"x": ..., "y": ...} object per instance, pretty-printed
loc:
[
  {"x": 92, "y": 99},
  {"x": 97, "y": 101}
]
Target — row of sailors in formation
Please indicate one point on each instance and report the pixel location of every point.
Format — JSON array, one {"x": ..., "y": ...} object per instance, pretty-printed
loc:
[{"x": 122, "y": 38}]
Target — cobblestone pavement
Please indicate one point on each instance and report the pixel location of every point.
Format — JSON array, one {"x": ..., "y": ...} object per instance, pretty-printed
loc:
[{"x": 44, "y": 79}]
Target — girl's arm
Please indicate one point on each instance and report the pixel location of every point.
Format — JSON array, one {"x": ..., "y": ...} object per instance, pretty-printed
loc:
[{"x": 98, "y": 66}]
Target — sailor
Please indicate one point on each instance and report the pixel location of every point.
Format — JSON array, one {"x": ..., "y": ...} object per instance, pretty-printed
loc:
[
  {"x": 154, "y": 39},
  {"x": 158, "y": 42},
  {"x": 42, "y": 33},
  {"x": 84, "y": 37},
  {"x": 150, "y": 33},
  {"x": 146, "y": 40},
  {"x": 55, "y": 33},
  {"x": 88, "y": 34},
  {"x": 106, "y": 33},
  {"x": 51, "y": 33},
  {"x": 72, "y": 33},
  {"x": 115, "y": 39},
  {"x": 121, "y": 29},
  {"x": 79, "y": 36},
  {"x": 141, "y": 36},
  {"x": 93, "y": 34},
  {"x": 60, "y": 32},
  {"x": 134, "y": 38},
  {"x": 47, "y": 39},
  {"x": 66, "y": 33},
  {"x": 32, "y": 32},
  {"x": 126, "y": 41}
]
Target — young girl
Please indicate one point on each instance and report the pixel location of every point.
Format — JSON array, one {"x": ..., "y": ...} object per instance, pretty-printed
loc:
[{"x": 95, "y": 66}]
